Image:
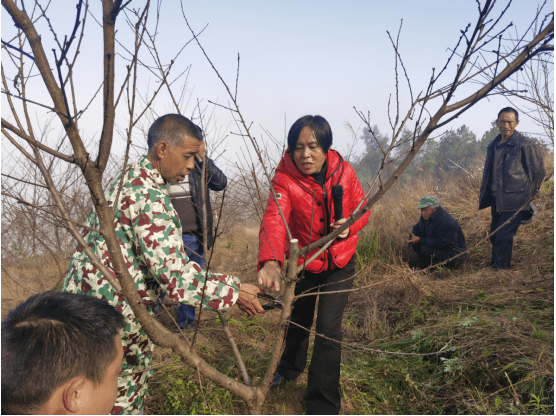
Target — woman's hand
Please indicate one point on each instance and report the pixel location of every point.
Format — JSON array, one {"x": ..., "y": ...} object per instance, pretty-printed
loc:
[
  {"x": 269, "y": 275},
  {"x": 248, "y": 301},
  {"x": 337, "y": 224}
]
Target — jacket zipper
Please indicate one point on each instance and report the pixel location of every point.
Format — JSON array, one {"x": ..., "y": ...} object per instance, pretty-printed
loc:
[{"x": 326, "y": 225}]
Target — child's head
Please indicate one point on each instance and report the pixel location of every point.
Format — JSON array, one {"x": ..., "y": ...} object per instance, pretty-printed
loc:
[{"x": 61, "y": 353}]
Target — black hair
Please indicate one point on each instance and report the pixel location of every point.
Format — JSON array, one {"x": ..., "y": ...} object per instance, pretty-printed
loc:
[
  {"x": 172, "y": 128},
  {"x": 51, "y": 338},
  {"x": 318, "y": 125},
  {"x": 508, "y": 110}
]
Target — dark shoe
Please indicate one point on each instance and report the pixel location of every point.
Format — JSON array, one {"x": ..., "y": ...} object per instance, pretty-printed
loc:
[
  {"x": 278, "y": 380},
  {"x": 497, "y": 267}
]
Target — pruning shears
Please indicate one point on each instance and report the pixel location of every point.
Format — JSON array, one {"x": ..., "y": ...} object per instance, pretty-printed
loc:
[{"x": 273, "y": 303}]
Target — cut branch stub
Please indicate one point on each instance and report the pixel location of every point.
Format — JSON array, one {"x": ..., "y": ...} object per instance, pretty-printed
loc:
[{"x": 291, "y": 279}]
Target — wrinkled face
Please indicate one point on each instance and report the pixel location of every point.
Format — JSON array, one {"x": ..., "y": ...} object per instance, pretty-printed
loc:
[
  {"x": 177, "y": 161},
  {"x": 106, "y": 392},
  {"x": 506, "y": 124},
  {"x": 308, "y": 155},
  {"x": 426, "y": 212}
]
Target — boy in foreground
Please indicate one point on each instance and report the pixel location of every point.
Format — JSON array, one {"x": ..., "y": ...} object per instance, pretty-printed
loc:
[{"x": 61, "y": 354}]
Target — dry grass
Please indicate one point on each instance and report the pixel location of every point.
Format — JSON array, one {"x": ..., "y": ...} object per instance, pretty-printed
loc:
[
  {"x": 23, "y": 277},
  {"x": 503, "y": 320},
  {"x": 505, "y": 317},
  {"x": 383, "y": 247}
]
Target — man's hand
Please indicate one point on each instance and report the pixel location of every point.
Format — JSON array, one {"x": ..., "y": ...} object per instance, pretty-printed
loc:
[
  {"x": 414, "y": 240},
  {"x": 201, "y": 154},
  {"x": 337, "y": 224},
  {"x": 269, "y": 275},
  {"x": 248, "y": 301}
]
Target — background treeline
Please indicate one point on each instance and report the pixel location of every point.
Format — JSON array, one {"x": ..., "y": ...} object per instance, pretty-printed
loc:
[{"x": 451, "y": 154}]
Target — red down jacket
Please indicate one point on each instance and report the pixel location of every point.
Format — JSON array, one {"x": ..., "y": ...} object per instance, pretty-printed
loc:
[{"x": 300, "y": 197}]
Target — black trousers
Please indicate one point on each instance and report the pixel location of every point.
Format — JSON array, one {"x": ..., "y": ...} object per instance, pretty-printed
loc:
[
  {"x": 503, "y": 240},
  {"x": 323, "y": 391},
  {"x": 429, "y": 255}
]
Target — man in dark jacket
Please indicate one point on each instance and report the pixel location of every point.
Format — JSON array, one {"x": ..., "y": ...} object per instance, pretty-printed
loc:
[
  {"x": 514, "y": 170},
  {"x": 437, "y": 236},
  {"x": 187, "y": 199}
]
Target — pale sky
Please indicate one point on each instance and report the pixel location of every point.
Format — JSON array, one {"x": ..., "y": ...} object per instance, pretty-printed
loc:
[{"x": 297, "y": 57}]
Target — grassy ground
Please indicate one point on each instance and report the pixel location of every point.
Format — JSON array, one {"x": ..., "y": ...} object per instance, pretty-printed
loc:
[
  {"x": 503, "y": 363},
  {"x": 495, "y": 330},
  {"x": 23, "y": 277}
]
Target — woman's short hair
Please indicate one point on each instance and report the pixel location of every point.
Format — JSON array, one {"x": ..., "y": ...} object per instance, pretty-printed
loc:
[
  {"x": 318, "y": 125},
  {"x": 172, "y": 129}
]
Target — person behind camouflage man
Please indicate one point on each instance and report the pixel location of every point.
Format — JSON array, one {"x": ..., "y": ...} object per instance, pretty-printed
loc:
[
  {"x": 61, "y": 354},
  {"x": 150, "y": 236},
  {"x": 513, "y": 172},
  {"x": 437, "y": 236},
  {"x": 187, "y": 199}
]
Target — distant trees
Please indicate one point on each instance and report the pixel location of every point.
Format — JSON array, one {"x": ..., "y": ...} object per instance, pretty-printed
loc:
[
  {"x": 368, "y": 165},
  {"x": 488, "y": 136},
  {"x": 457, "y": 149},
  {"x": 34, "y": 80},
  {"x": 451, "y": 154}
]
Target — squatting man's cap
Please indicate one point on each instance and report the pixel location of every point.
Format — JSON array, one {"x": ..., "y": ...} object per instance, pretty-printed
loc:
[{"x": 428, "y": 201}]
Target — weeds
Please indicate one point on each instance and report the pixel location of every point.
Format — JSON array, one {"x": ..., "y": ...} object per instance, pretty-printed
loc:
[
  {"x": 503, "y": 323},
  {"x": 179, "y": 393},
  {"x": 498, "y": 340}
]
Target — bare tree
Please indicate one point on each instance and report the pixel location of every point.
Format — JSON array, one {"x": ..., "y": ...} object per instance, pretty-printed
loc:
[
  {"x": 533, "y": 93},
  {"x": 28, "y": 71}
]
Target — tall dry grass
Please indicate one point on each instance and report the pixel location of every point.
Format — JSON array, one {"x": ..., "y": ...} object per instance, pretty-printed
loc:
[
  {"x": 387, "y": 310},
  {"x": 390, "y": 283},
  {"x": 502, "y": 320}
]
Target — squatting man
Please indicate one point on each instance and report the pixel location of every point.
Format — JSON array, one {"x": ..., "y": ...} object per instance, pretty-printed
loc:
[{"x": 437, "y": 236}]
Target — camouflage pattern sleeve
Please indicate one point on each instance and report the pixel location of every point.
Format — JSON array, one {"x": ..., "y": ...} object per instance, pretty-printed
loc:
[
  {"x": 149, "y": 234},
  {"x": 155, "y": 228}
]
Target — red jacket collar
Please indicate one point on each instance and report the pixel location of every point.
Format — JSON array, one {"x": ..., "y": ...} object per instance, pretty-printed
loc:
[{"x": 287, "y": 165}]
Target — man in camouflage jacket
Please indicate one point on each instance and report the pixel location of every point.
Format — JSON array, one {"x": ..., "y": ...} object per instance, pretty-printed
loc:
[{"x": 149, "y": 233}]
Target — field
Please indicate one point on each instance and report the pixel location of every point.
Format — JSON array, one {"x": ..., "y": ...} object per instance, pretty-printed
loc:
[
  {"x": 497, "y": 328},
  {"x": 480, "y": 342}
]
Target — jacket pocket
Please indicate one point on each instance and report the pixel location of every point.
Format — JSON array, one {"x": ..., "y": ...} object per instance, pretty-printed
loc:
[{"x": 514, "y": 187}]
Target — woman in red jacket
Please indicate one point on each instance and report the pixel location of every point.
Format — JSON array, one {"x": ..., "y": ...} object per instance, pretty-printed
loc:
[{"x": 303, "y": 184}]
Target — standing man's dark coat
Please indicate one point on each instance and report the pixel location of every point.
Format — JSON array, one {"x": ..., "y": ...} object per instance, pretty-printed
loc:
[
  {"x": 522, "y": 169},
  {"x": 508, "y": 188}
]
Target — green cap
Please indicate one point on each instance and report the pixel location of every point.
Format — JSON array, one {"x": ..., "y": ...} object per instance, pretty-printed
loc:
[{"x": 428, "y": 201}]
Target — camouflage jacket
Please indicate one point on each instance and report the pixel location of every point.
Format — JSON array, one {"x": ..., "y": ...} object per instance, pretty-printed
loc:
[{"x": 149, "y": 233}]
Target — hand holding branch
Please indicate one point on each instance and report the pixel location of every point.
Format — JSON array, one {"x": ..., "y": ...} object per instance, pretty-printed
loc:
[
  {"x": 269, "y": 275},
  {"x": 337, "y": 224}
]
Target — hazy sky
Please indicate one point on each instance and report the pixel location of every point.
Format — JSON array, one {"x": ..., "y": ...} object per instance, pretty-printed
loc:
[{"x": 300, "y": 57}]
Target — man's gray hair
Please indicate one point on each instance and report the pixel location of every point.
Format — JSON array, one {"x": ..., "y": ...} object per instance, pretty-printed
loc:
[{"x": 172, "y": 129}]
